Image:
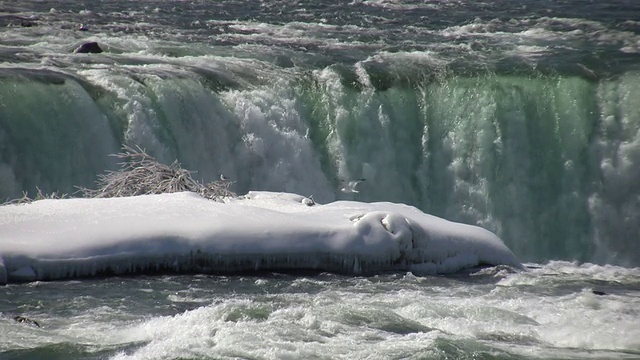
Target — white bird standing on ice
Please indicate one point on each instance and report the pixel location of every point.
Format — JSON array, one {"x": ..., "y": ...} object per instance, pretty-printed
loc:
[{"x": 350, "y": 187}]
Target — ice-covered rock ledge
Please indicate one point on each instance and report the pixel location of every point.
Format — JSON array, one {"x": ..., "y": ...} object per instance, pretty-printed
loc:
[{"x": 185, "y": 233}]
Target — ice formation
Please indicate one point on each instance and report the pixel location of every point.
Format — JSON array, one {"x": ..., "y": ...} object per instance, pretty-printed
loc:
[{"x": 261, "y": 231}]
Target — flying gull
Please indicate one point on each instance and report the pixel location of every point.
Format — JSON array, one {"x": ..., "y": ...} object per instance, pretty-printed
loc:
[{"x": 350, "y": 187}]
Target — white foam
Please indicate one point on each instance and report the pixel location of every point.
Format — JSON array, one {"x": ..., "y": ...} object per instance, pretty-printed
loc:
[
  {"x": 67, "y": 238},
  {"x": 572, "y": 270},
  {"x": 397, "y": 5}
]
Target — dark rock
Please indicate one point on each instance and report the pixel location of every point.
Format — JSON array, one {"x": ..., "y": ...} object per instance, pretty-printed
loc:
[
  {"x": 90, "y": 47},
  {"x": 284, "y": 61},
  {"x": 598, "y": 292},
  {"x": 24, "y": 320}
]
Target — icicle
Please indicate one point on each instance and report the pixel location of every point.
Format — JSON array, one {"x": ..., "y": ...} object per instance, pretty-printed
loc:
[
  {"x": 3, "y": 273},
  {"x": 356, "y": 266}
]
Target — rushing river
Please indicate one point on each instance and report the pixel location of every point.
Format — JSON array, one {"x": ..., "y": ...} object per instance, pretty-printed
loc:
[
  {"x": 555, "y": 311},
  {"x": 522, "y": 117}
]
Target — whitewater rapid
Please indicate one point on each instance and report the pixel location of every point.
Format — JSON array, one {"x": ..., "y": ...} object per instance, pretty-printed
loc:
[{"x": 547, "y": 312}]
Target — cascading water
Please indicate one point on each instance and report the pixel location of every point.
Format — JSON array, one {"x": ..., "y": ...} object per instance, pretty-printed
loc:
[{"x": 548, "y": 162}]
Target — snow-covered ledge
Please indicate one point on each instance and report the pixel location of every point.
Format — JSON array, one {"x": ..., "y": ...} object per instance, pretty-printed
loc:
[{"x": 261, "y": 231}]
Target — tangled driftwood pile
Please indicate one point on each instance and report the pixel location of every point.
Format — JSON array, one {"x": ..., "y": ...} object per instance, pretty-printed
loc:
[{"x": 141, "y": 174}]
